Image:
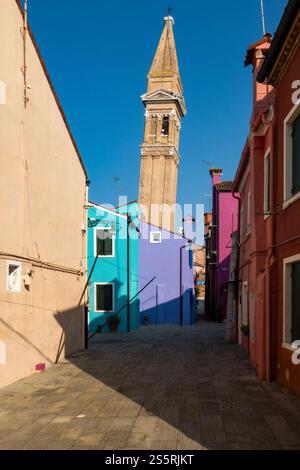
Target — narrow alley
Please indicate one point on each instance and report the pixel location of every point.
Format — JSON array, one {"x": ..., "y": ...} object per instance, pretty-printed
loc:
[{"x": 156, "y": 388}]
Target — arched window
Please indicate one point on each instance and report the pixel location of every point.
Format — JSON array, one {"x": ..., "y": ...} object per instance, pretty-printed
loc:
[
  {"x": 165, "y": 126},
  {"x": 153, "y": 126}
]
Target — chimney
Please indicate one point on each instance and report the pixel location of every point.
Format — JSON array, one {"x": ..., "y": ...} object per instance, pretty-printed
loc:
[
  {"x": 207, "y": 222},
  {"x": 216, "y": 174},
  {"x": 256, "y": 54}
]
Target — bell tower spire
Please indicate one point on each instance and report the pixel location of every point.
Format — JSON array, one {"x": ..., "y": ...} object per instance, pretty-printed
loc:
[{"x": 165, "y": 107}]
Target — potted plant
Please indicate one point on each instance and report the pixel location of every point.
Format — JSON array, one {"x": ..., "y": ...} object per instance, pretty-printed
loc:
[
  {"x": 245, "y": 336},
  {"x": 146, "y": 320},
  {"x": 113, "y": 322},
  {"x": 245, "y": 330}
]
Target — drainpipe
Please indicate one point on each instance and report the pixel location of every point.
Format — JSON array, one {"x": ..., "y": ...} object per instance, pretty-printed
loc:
[
  {"x": 269, "y": 257},
  {"x": 189, "y": 244},
  {"x": 238, "y": 198},
  {"x": 129, "y": 220}
]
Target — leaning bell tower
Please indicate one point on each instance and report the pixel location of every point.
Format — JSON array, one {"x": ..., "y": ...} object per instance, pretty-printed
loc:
[{"x": 164, "y": 109}]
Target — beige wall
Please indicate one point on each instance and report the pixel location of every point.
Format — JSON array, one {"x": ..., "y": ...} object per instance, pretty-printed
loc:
[{"x": 42, "y": 196}]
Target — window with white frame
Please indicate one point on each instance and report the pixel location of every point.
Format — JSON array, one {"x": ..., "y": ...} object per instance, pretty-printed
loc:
[
  {"x": 249, "y": 213},
  {"x": 245, "y": 303},
  {"x": 267, "y": 184},
  {"x": 13, "y": 277},
  {"x": 104, "y": 242},
  {"x": 2, "y": 92},
  {"x": 104, "y": 297},
  {"x": 155, "y": 237},
  {"x": 291, "y": 305},
  {"x": 292, "y": 153}
]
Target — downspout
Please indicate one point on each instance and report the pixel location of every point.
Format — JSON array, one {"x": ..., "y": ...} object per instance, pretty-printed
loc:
[
  {"x": 269, "y": 257},
  {"x": 129, "y": 220},
  {"x": 238, "y": 198},
  {"x": 180, "y": 279},
  {"x": 84, "y": 264},
  {"x": 25, "y": 32}
]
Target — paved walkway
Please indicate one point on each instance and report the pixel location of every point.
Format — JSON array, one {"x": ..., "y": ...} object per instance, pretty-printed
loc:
[{"x": 159, "y": 388}]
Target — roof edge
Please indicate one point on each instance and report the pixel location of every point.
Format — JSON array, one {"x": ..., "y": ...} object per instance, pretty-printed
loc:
[
  {"x": 281, "y": 34},
  {"x": 53, "y": 90}
]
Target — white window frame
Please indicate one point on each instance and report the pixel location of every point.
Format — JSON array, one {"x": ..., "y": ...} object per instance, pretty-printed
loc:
[
  {"x": 95, "y": 296},
  {"x": 289, "y": 198},
  {"x": 249, "y": 202},
  {"x": 152, "y": 234},
  {"x": 17, "y": 290},
  {"x": 267, "y": 183},
  {"x": 287, "y": 300},
  {"x": 245, "y": 312},
  {"x": 113, "y": 242}
]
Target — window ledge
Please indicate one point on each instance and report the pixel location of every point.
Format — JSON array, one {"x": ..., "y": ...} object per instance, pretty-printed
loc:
[
  {"x": 287, "y": 346},
  {"x": 291, "y": 200}
]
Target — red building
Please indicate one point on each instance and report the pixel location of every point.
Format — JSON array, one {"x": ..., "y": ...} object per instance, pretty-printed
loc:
[
  {"x": 281, "y": 69},
  {"x": 268, "y": 179}
]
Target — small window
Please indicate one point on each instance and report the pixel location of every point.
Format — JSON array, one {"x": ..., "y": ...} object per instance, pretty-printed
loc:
[
  {"x": 249, "y": 214},
  {"x": 292, "y": 154},
  {"x": 296, "y": 155},
  {"x": 245, "y": 303},
  {"x": 295, "y": 330},
  {"x": 104, "y": 297},
  {"x": 155, "y": 237},
  {"x": 14, "y": 277},
  {"x": 165, "y": 126},
  {"x": 191, "y": 258},
  {"x": 104, "y": 242},
  {"x": 2, "y": 353},
  {"x": 267, "y": 184},
  {"x": 2, "y": 92}
]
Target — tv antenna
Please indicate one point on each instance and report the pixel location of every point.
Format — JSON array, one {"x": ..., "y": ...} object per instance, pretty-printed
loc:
[
  {"x": 170, "y": 8},
  {"x": 116, "y": 180},
  {"x": 263, "y": 16},
  {"x": 209, "y": 164}
]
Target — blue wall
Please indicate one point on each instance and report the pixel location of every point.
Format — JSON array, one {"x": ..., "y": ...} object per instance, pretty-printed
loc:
[
  {"x": 161, "y": 300},
  {"x": 114, "y": 269}
]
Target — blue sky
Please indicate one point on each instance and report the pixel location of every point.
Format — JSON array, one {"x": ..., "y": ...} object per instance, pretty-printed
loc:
[{"x": 98, "y": 54}]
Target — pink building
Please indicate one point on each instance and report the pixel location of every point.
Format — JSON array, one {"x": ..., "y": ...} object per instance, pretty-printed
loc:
[{"x": 224, "y": 222}]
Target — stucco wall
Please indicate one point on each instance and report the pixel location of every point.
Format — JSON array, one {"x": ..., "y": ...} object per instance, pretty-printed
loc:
[
  {"x": 160, "y": 301},
  {"x": 42, "y": 195},
  {"x": 287, "y": 226},
  {"x": 114, "y": 270}
]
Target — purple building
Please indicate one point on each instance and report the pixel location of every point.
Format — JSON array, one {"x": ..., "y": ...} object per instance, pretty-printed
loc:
[
  {"x": 224, "y": 223},
  {"x": 168, "y": 257}
]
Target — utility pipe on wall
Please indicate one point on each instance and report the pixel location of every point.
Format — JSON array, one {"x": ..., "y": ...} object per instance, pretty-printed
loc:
[
  {"x": 188, "y": 245},
  {"x": 25, "y": 32}
]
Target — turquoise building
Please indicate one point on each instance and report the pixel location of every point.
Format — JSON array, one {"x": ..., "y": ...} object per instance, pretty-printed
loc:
[{"x": 113, "y": 264}]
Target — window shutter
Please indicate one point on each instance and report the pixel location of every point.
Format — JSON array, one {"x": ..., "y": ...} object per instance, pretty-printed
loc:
[
  {"x": 296, "y": 301},
  {"x": 296, "y": 155}
]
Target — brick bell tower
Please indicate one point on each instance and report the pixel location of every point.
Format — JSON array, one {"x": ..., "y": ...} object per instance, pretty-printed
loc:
[{"x": 165, "y": 107}]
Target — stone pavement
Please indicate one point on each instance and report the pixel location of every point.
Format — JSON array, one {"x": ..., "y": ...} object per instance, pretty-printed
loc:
[{"x": 158, "y": 388}]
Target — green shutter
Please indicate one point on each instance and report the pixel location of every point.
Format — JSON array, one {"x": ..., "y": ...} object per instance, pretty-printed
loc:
[
  {"x": 100, "y": 247},
  {"x": 296, "y": 301},
  {"x": 296, "y": 155},
  {"x": 108, "y": 246}
]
